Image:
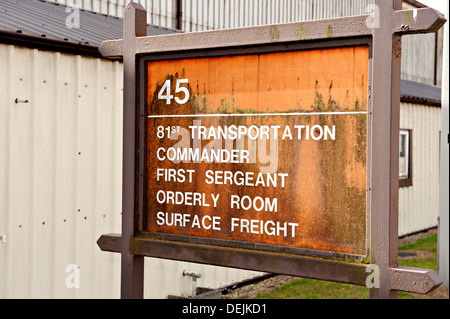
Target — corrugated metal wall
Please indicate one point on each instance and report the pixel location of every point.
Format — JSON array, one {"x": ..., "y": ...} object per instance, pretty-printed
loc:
[
  {"x": 418, "y": 58},
  {"x": 219, "y": 14},
  {"x": 60, "y": 180},
  {"x": 419, "y": 204}
]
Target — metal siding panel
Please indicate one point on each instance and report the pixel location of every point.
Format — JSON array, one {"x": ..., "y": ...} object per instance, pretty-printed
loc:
[
  {"x": 40, "y": 208},
  {"x": 6, "y": 59},
  {"x": 42, "y": 154},
  {"x": 418, "y": 205},
  {"x": 418, "y": 55},
  {"x": 66, "y": 173},
  {"x": 19, "y": 192},
  {"x": 62, "y": 186}
]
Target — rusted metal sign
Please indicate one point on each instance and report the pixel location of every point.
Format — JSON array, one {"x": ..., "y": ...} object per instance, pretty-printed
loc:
[
  {"x": 271, "y": 148},
  {"x": 265, "y": 148}
]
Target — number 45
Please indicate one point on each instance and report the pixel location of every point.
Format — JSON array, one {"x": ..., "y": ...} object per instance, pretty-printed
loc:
[{"x": 164, "y": 94}]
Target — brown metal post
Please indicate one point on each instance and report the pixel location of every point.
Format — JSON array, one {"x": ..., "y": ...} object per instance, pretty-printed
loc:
[
  {"x": 180, "y": 14},
  {"x": 135, "y": 25},
  {"x": 385, "y": 140}
]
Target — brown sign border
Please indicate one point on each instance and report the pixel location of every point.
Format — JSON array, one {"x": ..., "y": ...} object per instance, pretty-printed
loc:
[
  {"x": 389, "y": 24},
  {"x": 233, "y": 51}
]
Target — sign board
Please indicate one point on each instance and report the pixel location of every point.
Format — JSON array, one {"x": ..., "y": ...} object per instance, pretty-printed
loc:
[
  {"x": 271, "y": 148},
  {"x": 265, "y": 148}
]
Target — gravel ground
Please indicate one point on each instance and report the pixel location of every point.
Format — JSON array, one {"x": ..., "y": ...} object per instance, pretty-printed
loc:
[
  {"x": 267, "y": 285},
  {"x": 413, "y": 238}
]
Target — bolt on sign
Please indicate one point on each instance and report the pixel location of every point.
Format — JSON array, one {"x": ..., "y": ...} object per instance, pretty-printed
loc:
[{"x": 271, "y": 148}]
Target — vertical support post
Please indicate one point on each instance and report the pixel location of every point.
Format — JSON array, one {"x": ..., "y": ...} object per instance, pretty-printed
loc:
[
  {"x": 444, "y": 174},
  {"x": 385, "y": 143},
  {"x": 180, "y": 14},
  {"x": 132, "y": 267}
]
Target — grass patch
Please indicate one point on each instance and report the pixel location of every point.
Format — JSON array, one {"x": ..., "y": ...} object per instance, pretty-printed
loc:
[
  {"x": 318, "y": 289},
  {"x": 427, "y": 263},
  {"x": 426, "y": 244}
]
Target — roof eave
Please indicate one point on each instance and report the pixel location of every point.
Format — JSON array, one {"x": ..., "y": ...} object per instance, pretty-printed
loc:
[{"x": 47, "y": 44}]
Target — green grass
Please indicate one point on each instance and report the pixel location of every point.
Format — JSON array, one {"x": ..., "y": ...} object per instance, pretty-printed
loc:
[
  {"x": 427, "y": 244},
  {"x": 317, "y": 289},
  {"x": 427, "y": 263}
]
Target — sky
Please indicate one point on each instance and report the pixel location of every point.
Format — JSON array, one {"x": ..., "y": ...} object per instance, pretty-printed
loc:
[{"x": 440, "y": 5}]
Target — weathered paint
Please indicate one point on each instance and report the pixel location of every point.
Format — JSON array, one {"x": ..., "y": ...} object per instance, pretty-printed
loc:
[
  {"x": 274, "y": 33},
  {"x": 302, "y": 32},
  {"x": 326, "y": 187},
  {"x": 329, "y": 32}
]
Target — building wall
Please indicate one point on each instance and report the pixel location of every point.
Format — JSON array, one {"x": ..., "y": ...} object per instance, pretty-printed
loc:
[
  {"x": 418, "y": 56},
  {"x": 419, "y": 204},
  {"x": 205, "y": 15},
  {"x": 60, "y": 181},
  {"x": 219, "y": 14}
]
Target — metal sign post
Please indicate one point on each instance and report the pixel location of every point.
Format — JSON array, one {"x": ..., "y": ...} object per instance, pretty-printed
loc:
[{"x": 168, "y": 82}]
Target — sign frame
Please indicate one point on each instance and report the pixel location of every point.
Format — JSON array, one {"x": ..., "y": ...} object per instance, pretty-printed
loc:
[
  {"x": 384, "y": 27},
  {"x": 261, "y": 49}
]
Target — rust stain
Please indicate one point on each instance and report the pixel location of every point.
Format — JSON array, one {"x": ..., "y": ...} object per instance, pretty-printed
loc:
[{"x": 272, "y": 82}]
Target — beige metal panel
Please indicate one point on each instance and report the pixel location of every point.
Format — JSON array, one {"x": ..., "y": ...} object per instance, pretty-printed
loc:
[
  {"x": 57, "y": 201},
  {"x": 60, "y": 187},
  {"x": 17, "y": 183},
  {"x": 6, "y": 53},
  {"x": 418, "y": 204}
]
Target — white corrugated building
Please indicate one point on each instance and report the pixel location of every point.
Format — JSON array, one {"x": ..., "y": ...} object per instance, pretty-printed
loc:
[{"x": 60, "y": 138}]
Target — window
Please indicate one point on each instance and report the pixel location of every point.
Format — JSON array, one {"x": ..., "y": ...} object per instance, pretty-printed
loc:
[{"x": 405, "y": 159}]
